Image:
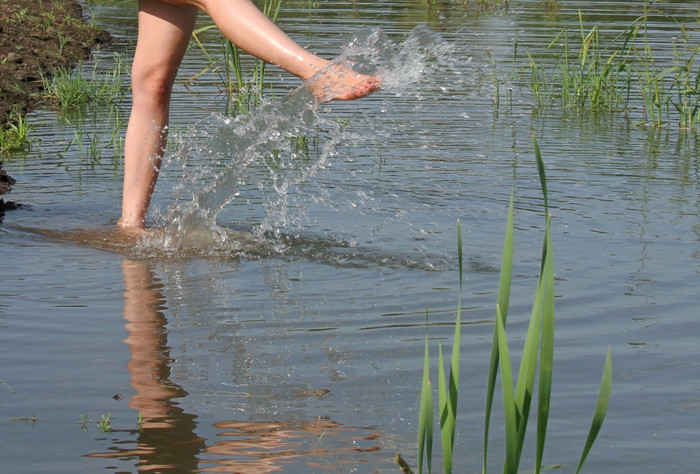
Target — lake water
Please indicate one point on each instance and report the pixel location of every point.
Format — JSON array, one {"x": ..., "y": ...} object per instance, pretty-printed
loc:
[{"x": 294, "y": 342}]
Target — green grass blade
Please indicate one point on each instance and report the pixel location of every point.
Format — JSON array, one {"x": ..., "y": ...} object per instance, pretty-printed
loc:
[
  {"x": 509, "y": 411},
  {"x": 454, "y": 366},
  {"x": 425, "y": 416},
  {"x": 600, "y": 409},
  {"x": 448, "y": 389},
  {"x": 546, "y": 347},
  {"x": 446, "y": 418},
  {"x": 540, "y": 170},
  {"x": 528, "y": 370},
  {"x": 449, "y": 395},
  {"x": 547, "y": 333},
  {"x": 456, "y": 344},
  {"x": 459, "y": 252},
  {"x": 502, "y": 309}
]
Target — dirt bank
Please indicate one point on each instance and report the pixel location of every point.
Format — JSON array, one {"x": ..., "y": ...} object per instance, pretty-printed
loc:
[{"x": 37, "y": 38}]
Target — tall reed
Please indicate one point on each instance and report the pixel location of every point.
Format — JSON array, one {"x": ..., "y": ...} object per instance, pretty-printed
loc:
[
  {"x": 536, "y": 363},
  {"x": 597, "y": 77},
  {"x": 621, "y": 76}
]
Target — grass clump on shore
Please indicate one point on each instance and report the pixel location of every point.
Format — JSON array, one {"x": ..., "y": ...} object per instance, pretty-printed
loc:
[
  {"x": 536, "y": 364},
  {"x": 14, "y": 135},
  {"x": 74, "y": 90}
]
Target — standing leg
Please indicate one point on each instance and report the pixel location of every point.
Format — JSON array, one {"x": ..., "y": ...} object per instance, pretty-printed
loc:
[{"x": 163, "y": 34}]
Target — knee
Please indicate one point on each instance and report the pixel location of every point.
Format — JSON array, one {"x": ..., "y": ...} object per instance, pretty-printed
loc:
[{"x": 153, "y": 83}]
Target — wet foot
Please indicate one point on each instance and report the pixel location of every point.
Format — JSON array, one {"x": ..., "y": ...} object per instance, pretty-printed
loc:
[
  {"x": 135, "y": 233},
  {"x": 131, "y": 225},
  {"x": 338, "y": 82}
]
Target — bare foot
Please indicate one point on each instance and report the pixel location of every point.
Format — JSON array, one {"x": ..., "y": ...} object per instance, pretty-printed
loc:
[
  {"x": 131, "y": 225},
  {"x": 338, "y": 82}
]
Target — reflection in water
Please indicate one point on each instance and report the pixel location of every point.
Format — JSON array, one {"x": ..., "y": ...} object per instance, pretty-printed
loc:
[
  {"x": 259, "y": 447},
  {"x": 167, "y": 439}
]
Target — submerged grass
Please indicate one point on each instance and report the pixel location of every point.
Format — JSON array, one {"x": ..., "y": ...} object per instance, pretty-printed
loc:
[
  {"x": 96, "y": 134},
  {"x": 620, "y": 75},
  {"x": 536, "y": 364}
]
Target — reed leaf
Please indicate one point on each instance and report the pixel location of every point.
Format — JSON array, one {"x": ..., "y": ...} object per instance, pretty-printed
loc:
[
  {"x": 547, "y": 333},
  {"x": 448, "y": 388},
  {"x": 456, "y": 343},
  {"x": 546, "y": 359},
  {"x": 459, "y": 253},
  {"x": 600, "y": 409},
  {"x": 502, "y": 311},
  {"x": 528, "y": 370},
  {"x": 446, "y": 417},
  {"x": 546, "y": 349},
  {"x": 509, "y": 408},
  {"x": 426, "y": 413},
  {"x": 536, "y": 363}
]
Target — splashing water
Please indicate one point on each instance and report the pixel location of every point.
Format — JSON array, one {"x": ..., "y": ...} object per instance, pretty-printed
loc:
[{"x": 276, "y": 136}]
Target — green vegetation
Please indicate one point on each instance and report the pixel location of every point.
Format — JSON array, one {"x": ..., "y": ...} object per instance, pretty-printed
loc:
[
  {"x": 14, "y": 136},
  {"x": 104, "y": 424},
  {"x": 620, "y": 76},
  {"x": 83, "y": 422},
  {"x": 28, "y": 419},
  {"x": 537, "y": 362},
  {"x": 102, "y": 135},
  {"x": 74, "y": 89}
]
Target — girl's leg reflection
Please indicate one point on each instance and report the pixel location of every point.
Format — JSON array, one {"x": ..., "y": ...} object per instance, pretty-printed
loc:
[
  {"x": 167, "y": 439},
  {"x": 167, "y": 436}
]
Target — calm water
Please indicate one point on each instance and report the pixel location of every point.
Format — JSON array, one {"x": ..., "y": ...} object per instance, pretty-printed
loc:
[{"x": 295, "y": 344}]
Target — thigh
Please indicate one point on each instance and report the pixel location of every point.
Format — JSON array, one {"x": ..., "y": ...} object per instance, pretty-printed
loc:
[{"x": 164, "y": 31}]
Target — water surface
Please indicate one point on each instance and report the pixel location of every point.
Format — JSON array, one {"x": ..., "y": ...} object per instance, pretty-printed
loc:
[{"x": 301, "y": 350}]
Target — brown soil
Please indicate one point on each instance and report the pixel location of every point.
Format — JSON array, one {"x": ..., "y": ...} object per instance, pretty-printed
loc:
[{"x": 38, "y": 38}]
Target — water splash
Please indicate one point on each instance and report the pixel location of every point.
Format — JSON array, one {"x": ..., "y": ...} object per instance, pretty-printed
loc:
[{"x": 289, "y": 139}]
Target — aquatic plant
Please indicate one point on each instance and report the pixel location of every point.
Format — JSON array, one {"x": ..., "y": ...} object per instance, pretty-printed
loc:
[
  {"x": 83, "y": 422},
  {"x": 102, "y": 133},
  {"x": 621, "y": 75},
  {"x": 448, "y": 391},
  {"x": 30, "y": 419},
  {"x": 537, "y": 362},
  {"x": 682, "y": 94},
  {"x": 14, "y": 135},
  {"x": 105, "y": 423},
  {"x": 597, "y": 77}
]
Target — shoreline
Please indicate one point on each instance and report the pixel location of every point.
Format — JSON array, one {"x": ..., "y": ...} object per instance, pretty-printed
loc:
[{"x": 38, "y": 39}]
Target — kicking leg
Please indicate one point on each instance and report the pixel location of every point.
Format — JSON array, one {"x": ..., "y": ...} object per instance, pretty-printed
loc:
[{"x": 249, "y": 29}]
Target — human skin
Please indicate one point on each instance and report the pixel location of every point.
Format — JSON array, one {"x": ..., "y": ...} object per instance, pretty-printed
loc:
[{"x": 165, "y": 28}]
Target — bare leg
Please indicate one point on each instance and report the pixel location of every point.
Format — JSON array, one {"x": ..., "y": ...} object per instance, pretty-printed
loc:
[
  {"x": 164, "y": 32},
  {"x": 249, "y": 29},
  {"x": 165, "y": 27}
]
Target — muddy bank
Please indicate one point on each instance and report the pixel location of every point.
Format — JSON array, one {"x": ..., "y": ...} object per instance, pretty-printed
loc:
[{"x": 38, "y": 38}]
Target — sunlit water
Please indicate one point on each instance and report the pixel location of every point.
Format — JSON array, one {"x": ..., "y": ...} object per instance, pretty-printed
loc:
[{"x": 278, "y": 321}]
